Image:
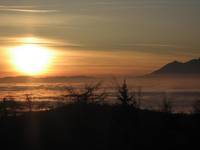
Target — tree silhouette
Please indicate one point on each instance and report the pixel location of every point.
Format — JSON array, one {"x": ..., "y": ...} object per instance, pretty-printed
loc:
[
  {"x": 139, "y": 97},
  {"x": 166, "y": 105},
  {"x": 90, "y": 93},
  {"x": 8, "y": 106},
  {"x": 196, "y": 107},
  {"x": 125, "y": 96},
  {"x": 29, "y": 102}
]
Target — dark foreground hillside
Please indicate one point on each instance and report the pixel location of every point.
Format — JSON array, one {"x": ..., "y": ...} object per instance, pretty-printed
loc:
[{"x": 99, "y": 127}]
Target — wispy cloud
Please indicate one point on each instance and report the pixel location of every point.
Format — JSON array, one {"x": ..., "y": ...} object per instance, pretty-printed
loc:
[
  {"x": 151, "y": 45},
  {"x": 37, "y": 41},
  {"x": 26, "y": 9}
]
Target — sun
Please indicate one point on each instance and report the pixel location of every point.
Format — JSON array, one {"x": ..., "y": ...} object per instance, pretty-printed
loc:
[{"x": 31, "y": 59}]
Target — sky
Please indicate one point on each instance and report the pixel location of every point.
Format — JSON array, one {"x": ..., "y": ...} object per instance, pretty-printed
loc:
[{"x": 102, "y": 37}]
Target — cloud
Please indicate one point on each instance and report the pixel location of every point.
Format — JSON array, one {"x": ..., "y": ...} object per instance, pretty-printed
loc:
[
  {"x": 38, "y": 41},
  {"x": 27, "y": 9},
  {"x": 151, "y": 45}
]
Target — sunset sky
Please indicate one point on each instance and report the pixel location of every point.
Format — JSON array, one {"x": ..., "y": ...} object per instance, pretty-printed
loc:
[{"x": 98, "y": 37}]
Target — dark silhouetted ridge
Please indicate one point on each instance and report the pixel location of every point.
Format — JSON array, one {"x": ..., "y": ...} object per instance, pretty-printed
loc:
[{"x": 190, "y": 67}]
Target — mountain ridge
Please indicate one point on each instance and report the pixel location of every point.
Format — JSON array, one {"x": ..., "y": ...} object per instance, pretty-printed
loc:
[{"x": 191, "y": 67}]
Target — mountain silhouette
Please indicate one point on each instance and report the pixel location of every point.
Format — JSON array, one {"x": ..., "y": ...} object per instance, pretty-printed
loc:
[{"x": 186, "y": 68}]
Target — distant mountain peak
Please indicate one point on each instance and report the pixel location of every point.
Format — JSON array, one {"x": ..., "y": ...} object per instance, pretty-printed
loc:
[
  {"x": 174, "y": 63},
  {"x": 176, "y": 67},
  {"x": 194, "y": 61}
]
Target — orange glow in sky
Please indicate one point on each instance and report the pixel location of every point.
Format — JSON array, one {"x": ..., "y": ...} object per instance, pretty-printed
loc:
[{"x": 31, "y": 59}]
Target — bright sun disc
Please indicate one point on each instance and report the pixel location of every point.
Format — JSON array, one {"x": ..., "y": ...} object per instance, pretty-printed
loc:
[{"x": 31, "y": 59}]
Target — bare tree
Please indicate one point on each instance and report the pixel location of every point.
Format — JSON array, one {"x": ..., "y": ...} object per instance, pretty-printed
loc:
[
  {"x": 29, "y": 102},
  {"x": 90, "y": 93}
]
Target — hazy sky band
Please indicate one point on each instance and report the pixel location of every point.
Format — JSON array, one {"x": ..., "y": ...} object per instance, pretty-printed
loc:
[{"x": 169, "y": 28}]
